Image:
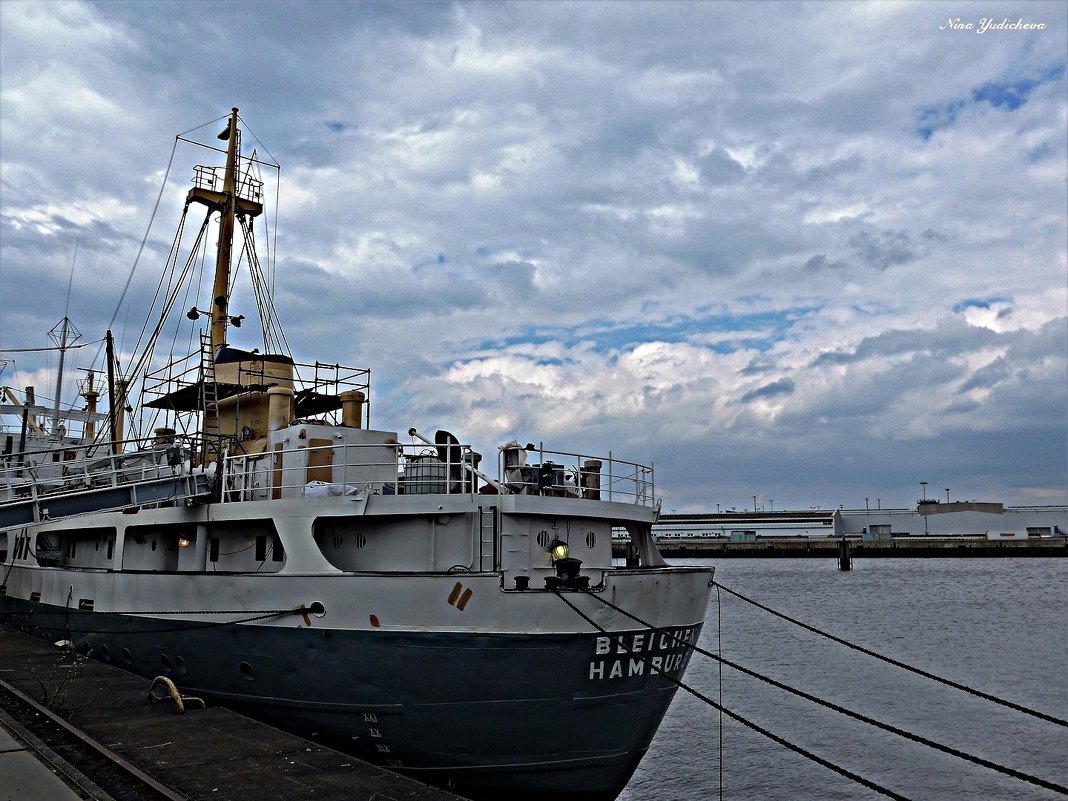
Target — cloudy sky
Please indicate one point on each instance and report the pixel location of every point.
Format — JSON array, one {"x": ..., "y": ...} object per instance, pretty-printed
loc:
[{"x": 811, "y": 252}]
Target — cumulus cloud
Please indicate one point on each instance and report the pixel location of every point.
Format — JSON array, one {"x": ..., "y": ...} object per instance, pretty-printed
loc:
[{"x": 721, "y": 239}]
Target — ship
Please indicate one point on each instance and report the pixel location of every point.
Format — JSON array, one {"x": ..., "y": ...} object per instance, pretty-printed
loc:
[{"x": 379, "y": 592}]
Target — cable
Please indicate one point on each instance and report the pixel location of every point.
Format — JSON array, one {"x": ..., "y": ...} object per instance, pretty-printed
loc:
[
  {"x": 748, "y": 723},
  {"x": 719, "y": 647},
  {"x": 1016, "y": 774},
  {"x": 903, "y": 665}
]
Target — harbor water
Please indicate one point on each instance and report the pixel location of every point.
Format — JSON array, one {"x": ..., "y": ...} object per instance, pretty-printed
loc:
[{"x": 997, "y": 625}]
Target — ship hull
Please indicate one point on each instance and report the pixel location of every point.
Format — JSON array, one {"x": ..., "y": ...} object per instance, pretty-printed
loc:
[{"x": 552, "y": 707}]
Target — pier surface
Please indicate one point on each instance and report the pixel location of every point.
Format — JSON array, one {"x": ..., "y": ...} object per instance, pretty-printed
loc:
[{"x": 211, "y": 753}]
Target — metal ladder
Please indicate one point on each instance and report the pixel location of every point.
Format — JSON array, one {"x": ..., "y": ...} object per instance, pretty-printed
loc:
[
  {"x": 209, "y": 396},
  {"x": 488, "y": 527},
  {"x": 209, "y": 392}
]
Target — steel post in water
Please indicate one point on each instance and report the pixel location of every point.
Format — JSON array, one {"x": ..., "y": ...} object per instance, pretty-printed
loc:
[{"x": 845, "y": 561}]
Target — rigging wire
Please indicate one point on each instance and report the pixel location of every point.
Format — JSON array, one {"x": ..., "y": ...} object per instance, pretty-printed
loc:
[
  {"x": 272, "y": 252},
  {"x": 273, "y": 334},
  {"x": 1012, "y": 772},
  {"x": 144, "y": 241},
  {"x": 41, "y": 350},
  {"x": 167, "y": 306},
  {"x": 904, "y": 666}
]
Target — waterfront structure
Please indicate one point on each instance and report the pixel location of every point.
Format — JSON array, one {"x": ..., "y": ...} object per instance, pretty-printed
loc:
[{"x": 930, "y": 518}]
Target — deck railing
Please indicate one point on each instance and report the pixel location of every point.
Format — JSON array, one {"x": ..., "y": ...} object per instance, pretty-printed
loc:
[
  {"x": 336, "y": 469},
  {"x": 414, "y": 469}
]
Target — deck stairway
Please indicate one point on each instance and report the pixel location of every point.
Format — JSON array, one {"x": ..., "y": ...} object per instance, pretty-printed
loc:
[{"x": 113, "y": 483}]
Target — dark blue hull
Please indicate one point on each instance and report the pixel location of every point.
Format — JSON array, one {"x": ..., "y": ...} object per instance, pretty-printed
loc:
[{"x": 488, "y": 715}]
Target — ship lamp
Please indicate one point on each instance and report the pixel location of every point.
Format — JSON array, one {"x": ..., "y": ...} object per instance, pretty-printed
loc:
[{"x": 558, "y": 549}]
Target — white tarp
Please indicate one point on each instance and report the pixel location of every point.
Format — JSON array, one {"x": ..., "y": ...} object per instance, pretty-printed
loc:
[{"x": 325, "y": 489}]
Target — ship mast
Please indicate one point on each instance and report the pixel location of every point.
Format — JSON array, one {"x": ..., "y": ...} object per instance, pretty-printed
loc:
[
  {"x": 66, "y": 337},
  {"x": 238, "y": 199},
  {"x": 221, "y": 290},
  {"x": 230, "y": 205}
]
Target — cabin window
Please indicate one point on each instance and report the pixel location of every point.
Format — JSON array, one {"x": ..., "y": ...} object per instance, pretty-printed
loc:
[
  {"x": 261, "y": 548},
  {"x": 213, "y": 549}
]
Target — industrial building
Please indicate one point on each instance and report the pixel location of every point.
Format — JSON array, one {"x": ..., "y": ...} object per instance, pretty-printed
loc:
[{"x": 929, "y": 518}]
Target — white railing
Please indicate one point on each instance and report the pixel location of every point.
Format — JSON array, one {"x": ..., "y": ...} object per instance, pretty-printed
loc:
[
  {"x": 419, "y": 469},
  {"x": 576, "y": 474},
  {"x": 78, "y": 467}
]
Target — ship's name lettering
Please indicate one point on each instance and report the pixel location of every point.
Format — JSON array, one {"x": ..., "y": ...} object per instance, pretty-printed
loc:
[
  {"x": 625, "y": 655},
  {"x": 618, "y": 668},
  {"x": 644, "y": 642}
]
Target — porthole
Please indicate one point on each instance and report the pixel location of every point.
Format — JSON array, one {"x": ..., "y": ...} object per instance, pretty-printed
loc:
[
  {"x": 247, "y": 671},
  {"x": 166, "y": 660},
  {"x": 360, "y": 540},
  {"x": 105, "y": 652},
  {"x": 179, "y": 663},
  {"x": 543, "y": 538},
  {"x": 127, "y": 656},
  {"x": 591, "y": 539},
  {"x": 153, "y": 545},
  {"x": 317, "y": 608}
]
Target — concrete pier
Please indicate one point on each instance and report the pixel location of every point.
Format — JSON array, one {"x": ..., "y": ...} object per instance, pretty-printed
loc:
[
  {"x": 827, "y": 548},
  {"x": 208, "y": 753}
]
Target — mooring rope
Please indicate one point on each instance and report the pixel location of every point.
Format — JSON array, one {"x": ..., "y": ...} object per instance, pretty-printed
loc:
[
  {"x": 917, "y": 738},
  {"x": 896, "y": 663},
  {"x": 719, "y": 647},
  {"x": 748, "y": 723}
]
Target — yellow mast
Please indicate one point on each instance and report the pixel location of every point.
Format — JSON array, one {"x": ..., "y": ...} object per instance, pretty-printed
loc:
[
  {"x": 230, "y": 205},
  {"x": 221, "y": 290}
]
